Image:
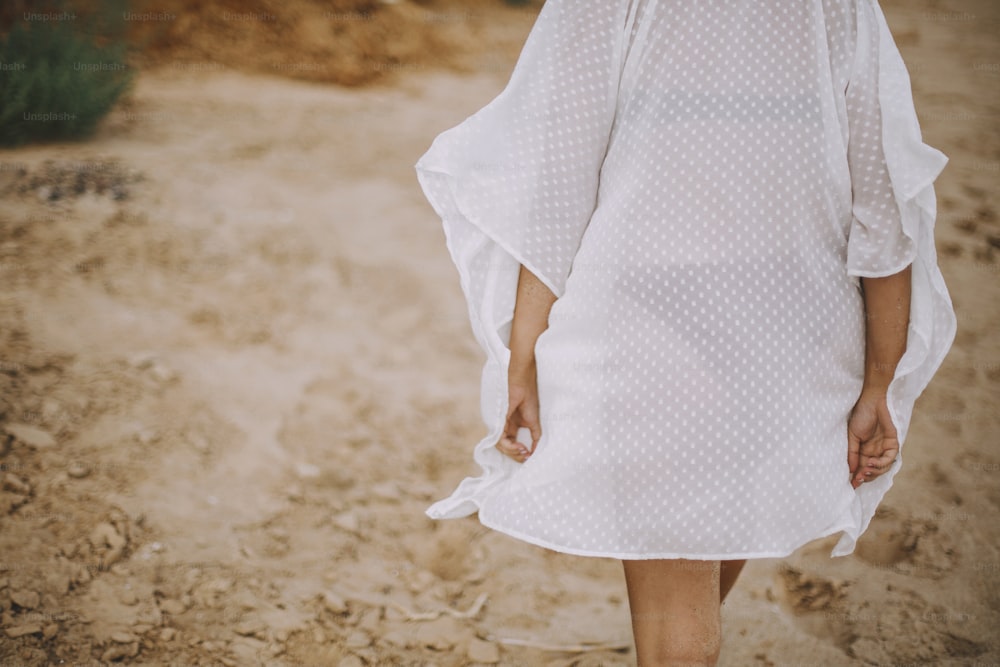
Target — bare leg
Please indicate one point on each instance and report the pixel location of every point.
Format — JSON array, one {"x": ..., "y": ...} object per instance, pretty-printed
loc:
[
  {"x": 730, "y": 569},
  {"x": 675, "y": 611}
]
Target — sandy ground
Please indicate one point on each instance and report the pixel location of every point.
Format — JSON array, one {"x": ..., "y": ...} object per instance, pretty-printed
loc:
[{"x": 235, "y": 367}]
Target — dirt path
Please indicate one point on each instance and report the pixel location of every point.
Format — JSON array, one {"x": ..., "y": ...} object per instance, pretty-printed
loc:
[{"x": 236, "y": 371}]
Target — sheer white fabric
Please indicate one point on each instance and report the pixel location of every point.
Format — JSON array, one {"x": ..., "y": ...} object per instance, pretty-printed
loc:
[{"x": 702, "y": 185}]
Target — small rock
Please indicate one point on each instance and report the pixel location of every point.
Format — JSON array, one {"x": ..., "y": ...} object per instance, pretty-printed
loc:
[
  {"x": 219, "y": 585},
  {"x": 120, "y": 569},
  {"x": 50, "y": 630},
  {"x": 395, "y": 638},
  {"x": 122, "y": 637},
  {"x": 370, "y": 620},
  {"x": 172, "y": 607},
  {"x": 15, "y": 484},
  {"x": 421, "y": 580},
  {"x": 250, "y": 628},
  {"x": 105, "y": 538},
  {"x": 438, "y": 634},
  {"x": 167, "y": 634},
  {"x": 128, "y": 597},
  {"x": 347, "y": 521},
  {"x": 351, "y": 661},
  {"x": 358, "y": 639},
  {"x": 334, "y": 602},
  {"x": 22, "y": 630},
  {"x": 26, "y": 599},
  {"x": 77, "y": 470},
  {"x": 82, "y": 575},
  {"x": 30, "y": 435},
  {"x": 483, "y": 651},
  {"x": 119, "y": 651},
  {"x": 57, "y": 581}
]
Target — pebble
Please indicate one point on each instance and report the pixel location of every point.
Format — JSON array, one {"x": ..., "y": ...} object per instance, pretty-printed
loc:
[
  {"x": 26, "y": 599},
  {"x": 395, "y": 638},
  {"x": 77, "y": 470},
  {"x": 168, "y": 634},
  {"x": 250, "y": 629},
  {"x": 347, "y": 521},
  {"x": 351, "y": 661},
  {"x": 122, "y": 637},
  {"x": 58, "y": 581},
  {"x": 30, "y": 435},
  {"x": 172, "y": 607},
  {"x": 105, "y": 535},
  {"x": 358, "y": 639},
  {"x": 483, "y": 651},
  {"x": 334, "y": 602},
  {"x": 119, "y": 651},
  {"x": 22, "y": 630},
  {"x": 15, "y": 484}
]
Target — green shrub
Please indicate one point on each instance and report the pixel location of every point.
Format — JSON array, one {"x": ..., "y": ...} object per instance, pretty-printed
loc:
[{"x": 56, "y": 81}]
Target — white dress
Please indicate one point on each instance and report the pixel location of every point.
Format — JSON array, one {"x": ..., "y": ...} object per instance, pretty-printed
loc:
[{"x": 701, "y": 185}]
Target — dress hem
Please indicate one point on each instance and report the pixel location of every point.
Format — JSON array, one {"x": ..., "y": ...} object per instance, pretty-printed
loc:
[{"x": 646, "y": 555}]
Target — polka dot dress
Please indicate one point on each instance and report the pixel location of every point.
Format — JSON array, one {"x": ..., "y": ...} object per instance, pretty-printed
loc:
[{"x": 702, "y": 186}]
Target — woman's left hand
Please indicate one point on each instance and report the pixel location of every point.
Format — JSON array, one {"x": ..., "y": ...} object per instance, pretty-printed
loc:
[{"x": 872, "y": 441}]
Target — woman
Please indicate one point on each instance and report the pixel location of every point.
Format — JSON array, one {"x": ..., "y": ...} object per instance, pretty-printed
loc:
[{"x": 697, "y": 247}]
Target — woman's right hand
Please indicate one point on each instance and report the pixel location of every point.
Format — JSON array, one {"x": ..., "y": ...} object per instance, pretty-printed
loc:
[{"x": 522, "y": 412}]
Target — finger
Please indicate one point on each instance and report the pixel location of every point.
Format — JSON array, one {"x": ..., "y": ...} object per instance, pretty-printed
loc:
[
  {"x": 510, "y": 428},
  {"x": 853, "y": 447},
  {"x": 510, "y": 448},
  {"x": 885, "y": 461},
  {"x": 536, "y": 434},
  {"x": 878, "y": 449}
]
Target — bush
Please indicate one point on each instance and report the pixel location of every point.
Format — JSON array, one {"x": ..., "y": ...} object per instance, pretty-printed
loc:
[{"x": 56, "y": 81}]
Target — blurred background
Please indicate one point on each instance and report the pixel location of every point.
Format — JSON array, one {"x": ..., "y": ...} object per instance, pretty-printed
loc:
[{"x": 236, "y": 363}]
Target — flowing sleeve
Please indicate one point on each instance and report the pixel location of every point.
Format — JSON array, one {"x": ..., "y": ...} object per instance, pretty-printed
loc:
[
  {"x": 516, "y": 183},
  {"x": 894, "y": 210}
]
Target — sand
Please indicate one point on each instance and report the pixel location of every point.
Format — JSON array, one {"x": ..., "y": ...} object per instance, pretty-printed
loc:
[{"x": 236, "y": 366}]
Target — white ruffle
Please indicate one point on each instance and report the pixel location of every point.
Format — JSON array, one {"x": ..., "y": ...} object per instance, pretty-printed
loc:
[
  {"x": 486, "y": 194},
  {"x": 913, "y": 167}
]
